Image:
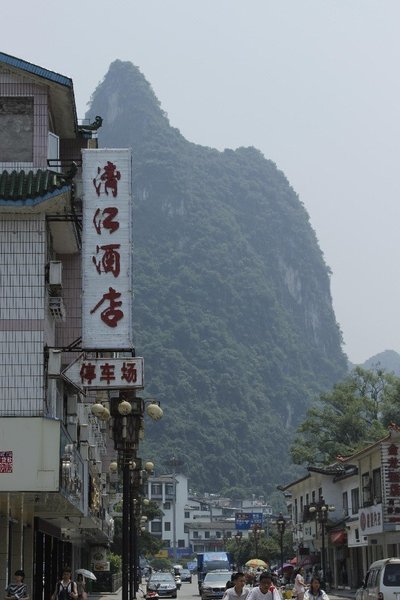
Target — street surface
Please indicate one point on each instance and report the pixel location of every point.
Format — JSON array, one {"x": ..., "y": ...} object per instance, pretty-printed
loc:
[{"x": 189, "y": 591}]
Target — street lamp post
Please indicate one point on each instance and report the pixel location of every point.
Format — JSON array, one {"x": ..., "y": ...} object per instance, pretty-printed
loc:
[
  {"x": 127, "y": 412},
  {"x": 321, "y": 510},
  {"x": 238, "y": 540},
  {"x": 257, "y": 533},
  {"x": 281, "y": 525}
]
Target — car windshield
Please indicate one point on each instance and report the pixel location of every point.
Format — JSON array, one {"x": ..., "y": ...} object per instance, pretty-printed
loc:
[
  {"x": 185, "y": 572},
  {"x": 216, "y": 577},
  {"x": 391, "y": 576},
  {"x": 162, "y": 577}
]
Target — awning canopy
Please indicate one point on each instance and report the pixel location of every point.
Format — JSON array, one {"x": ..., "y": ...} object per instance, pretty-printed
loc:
[
  {"x": 338, "y": 537},
  {"x": 311, "y": 559}
]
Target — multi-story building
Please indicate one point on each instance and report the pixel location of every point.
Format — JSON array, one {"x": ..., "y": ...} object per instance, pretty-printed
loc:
[
  {"x": 363, "y": 491},
  {"x": 53, "y": 466}
]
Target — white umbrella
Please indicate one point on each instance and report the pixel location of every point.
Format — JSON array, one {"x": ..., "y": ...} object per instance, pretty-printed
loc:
[{"x": 86, "y": 573}]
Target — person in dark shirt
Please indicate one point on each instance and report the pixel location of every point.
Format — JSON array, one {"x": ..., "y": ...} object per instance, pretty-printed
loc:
[
  {"x": 66, "y": 589},
  {"x": 18, "y": 589}
]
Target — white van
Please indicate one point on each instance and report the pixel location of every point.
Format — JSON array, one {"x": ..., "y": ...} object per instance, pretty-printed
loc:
[{"x": 382, "y": 581}]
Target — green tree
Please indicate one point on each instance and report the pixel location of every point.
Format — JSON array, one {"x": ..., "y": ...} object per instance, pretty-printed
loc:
[{"x": 354, "y": 413}]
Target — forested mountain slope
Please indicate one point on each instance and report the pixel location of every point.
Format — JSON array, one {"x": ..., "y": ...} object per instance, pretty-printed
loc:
[{"x": 233, "y": 311}]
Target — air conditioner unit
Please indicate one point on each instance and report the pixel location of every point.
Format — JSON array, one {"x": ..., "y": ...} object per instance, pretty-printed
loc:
[
  {"x": 54, "y": 362},
  {"x": 55, "y": 273},
  {"x": 84, "y": 450},
  {"x": 72, "y": 429},
  {"x": 84, "y": 432},
  {"x": 57, "y": 308},
  {"x": 72, "y": 404}
]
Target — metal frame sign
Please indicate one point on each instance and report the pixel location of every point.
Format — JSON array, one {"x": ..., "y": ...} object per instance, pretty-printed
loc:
[
  {"x": 246, "y": 520},
  {"x": 105, "y": 373},
  {"x": 107, "y": 249}
]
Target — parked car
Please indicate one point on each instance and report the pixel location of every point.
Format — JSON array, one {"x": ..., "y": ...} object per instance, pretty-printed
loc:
[
  {"x": 382, "y": 581},
  {"x": 186, "y": 575},
  {"x": 163, "y": 583},
  {"x": 214, "y": 583}
]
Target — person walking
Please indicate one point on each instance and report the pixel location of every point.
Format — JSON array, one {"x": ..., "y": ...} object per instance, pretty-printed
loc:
[
  {"x": 81, "y": 587},
  {"x": 266, "y": 590},
  {"x": 66, "y": 589},
  {"x": 299, "y": 585},
  {"x": 18, "y": 589},
  {"x": 238, "y": 591},
  {"x": 315, "y": 592}
]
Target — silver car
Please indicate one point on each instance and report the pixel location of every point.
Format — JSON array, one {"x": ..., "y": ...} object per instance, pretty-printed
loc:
[{"x": 214, "y": 584}]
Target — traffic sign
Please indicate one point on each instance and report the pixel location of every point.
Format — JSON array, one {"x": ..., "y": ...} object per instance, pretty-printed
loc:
[{"x": 105, "y": 373}]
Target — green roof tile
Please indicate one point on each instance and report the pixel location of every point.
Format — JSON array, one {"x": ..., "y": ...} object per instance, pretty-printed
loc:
[{"x": 18, "y": 185}]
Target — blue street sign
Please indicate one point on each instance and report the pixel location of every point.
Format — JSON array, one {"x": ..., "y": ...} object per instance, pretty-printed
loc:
[{"x": 246, "y": 520}]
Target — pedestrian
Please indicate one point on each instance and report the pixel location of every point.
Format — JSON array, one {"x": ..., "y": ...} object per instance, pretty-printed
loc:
[
  {"x": 315, "y": 592},
  {"x": 66, "y": 589},
  {"x": 238, "y": 591},
  {"x": 81, "y": 587},
  {"x": 266, "y": 590},
  {"x": 299, "y": 585},
  {"x": 18, "y": 589}
]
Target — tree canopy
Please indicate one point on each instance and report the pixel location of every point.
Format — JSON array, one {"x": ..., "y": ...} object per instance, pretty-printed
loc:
[{"x": 356, "y": 412}]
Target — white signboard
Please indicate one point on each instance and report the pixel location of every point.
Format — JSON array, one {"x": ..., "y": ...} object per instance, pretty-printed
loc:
[
  {"x": 107, "y": 249},
  {"x": 105, "y": 373},
  {"x": 371, "y": 519}
]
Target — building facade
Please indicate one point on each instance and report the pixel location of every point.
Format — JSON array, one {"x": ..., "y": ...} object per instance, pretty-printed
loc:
[
  {"x": 54, "y": 479},
  {"x": 363, "y": 525}
]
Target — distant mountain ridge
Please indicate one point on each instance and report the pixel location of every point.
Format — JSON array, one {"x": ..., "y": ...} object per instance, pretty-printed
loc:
[
  {"x": 389, "y": 360},
  {"x": 233, "y": 311}
]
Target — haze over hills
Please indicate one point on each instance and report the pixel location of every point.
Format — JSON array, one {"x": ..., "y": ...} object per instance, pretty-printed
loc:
[{"x": 233, "y": 311}]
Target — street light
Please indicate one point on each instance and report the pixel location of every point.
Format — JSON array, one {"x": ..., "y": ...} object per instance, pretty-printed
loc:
[
  {"x": 238, "y": 540},
  {"x": 257, "y": 531},
  {"x": 321, "y": 510},
  {"x": 281, "y": 525},
  {"x": 127, "y": 411}
]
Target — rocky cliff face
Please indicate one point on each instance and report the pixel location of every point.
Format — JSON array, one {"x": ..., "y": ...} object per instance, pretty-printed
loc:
[{"x": 233, "y": 311}]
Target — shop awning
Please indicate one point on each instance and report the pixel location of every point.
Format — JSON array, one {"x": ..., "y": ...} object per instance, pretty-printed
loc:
[
  {"x": 311, "y": 559},
  {"x": 338, "y": 537}
]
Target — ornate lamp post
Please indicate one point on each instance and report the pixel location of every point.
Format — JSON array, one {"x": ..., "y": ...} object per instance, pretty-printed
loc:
[
  {"x": 321, "y": 509},
  {"x": 127, "y": 412},
  {"x": 281, "y": 525},
  {"x": 238, "y": 540},
  {"x": 257, "y": 531}
]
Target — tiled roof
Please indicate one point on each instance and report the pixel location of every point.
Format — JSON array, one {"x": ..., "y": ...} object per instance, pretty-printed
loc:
[
  {"x": 13, "y": 61},
  {"x": 20, "y": 186}
]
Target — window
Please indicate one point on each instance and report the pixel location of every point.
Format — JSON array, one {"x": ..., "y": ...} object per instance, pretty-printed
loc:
[
  {"x": 156, "y": 489},
  {"x": 169, "y": 489},
  {"x": 313, "y": 496},
  {"x": 167, "y": 505},
  {"x": 206, "y": 534},
  {"x": 167, "y": 526},
  {"x": 295, "y": 511},
  {"x": 301, "y": 504},
  {"x": 181, "y": 543},
  {"x": 366, "y": 489},
  {"x": 187, "y": 514},
  {"x": 376, "y": 486},
  {"x": 345, "y": 504},
  {"x": 355, "y": 501},
  {"x": 307, "y": 499},
  {"x": 195, "y": 534},
  {"x": 218, "y": 534},
  {"x": 156, "y": 526},
  {"x": 16, "y": 129}
]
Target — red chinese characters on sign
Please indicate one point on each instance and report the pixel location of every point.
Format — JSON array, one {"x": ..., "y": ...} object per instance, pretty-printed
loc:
[
  {"x": 6, "y": 461},
  {"x": 107, "y": 372},
  {"x": 109, "y": 261},
  {"x": 109, "y": 177},
  {"x": 393, "y": 484},
  {"x": 107, "y": 257}
]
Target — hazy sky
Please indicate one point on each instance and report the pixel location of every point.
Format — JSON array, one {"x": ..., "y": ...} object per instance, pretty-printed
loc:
[{"x": 314, "y": 84}]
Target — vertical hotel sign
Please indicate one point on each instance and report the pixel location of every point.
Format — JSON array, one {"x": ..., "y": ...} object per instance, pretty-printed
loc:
[{"x": 107, "y": 249}]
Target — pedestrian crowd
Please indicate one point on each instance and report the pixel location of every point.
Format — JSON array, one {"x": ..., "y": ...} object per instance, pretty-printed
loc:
[{"x": 266, "y": 589}]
